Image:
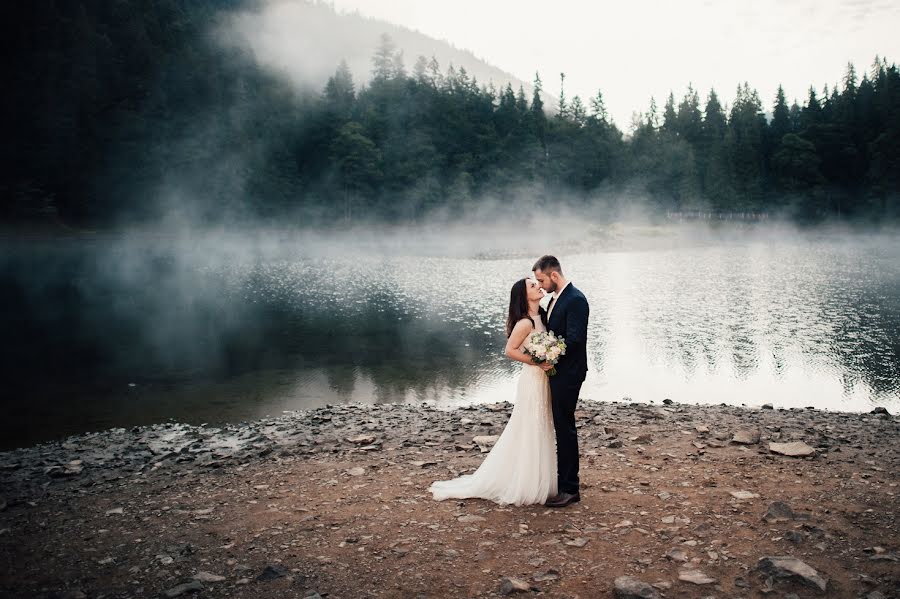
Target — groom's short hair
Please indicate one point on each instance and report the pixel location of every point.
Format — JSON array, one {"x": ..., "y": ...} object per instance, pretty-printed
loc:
[{"x": 546, "y": 264}]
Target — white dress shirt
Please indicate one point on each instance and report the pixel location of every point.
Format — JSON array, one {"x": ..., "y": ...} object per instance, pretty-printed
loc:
[{"x": 556, "y": 295}]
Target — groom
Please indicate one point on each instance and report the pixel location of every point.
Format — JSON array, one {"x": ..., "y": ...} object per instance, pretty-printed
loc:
[{"x": 567, "y": 316}]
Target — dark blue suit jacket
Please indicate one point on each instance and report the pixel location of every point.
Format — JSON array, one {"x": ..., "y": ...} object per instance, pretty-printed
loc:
[{"x": 569, "y": 319}]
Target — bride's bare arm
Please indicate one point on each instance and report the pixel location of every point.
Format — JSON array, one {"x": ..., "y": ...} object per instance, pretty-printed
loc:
[{"x": 522, "y": 329}]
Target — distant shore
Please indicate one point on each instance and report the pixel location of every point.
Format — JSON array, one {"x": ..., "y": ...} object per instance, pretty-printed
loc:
[{"x": 334, "y": 501}]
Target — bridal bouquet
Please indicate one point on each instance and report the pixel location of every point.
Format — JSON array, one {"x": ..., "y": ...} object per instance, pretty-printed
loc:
[{"x": 545, "y": 347}]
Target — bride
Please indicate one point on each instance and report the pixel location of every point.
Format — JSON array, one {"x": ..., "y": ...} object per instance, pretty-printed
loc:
[{"x": 521, "y": 467}]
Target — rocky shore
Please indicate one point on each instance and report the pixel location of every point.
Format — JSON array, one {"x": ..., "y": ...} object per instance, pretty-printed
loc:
[{"x": 678, "y": 501}]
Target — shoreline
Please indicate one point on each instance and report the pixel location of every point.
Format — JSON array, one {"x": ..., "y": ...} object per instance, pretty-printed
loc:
[{"x": 334, "y": 500}]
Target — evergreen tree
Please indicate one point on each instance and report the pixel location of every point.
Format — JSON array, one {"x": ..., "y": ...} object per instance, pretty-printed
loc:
[
  {"x": 521, "y": 101},
  {"x": 598, "y": 109},
  {"x": 398, "y": 70},
  {"x": 689, "y": 119},
  {"x": 578, "y": 112},
  {"x": 434, "y": 71},
  {"x": 850, "y": 81},
  {"x": 507, "y": 115},
  {"x": 339, "y": 90},
  {"x": 383, "y": 62},
  {"x": 714, "y": 121},
  {"x": 653, "y": 114},
  {"x": 711, "y": 161},
  {"x": 420, "y": 71},
  {"x": 563, "y": 107},
  {"x": 781, "y": 118},
  {"x": 538, "y": 118},
  {"x": 744, "y": 145},
  {"x": 812, "y": 112},
  {"x": 670, "y": 117},
  {"x": 796, "y": 117}
]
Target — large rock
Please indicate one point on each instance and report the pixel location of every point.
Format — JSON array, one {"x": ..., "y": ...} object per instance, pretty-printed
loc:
[
  {"x": 791, "y": 568},
  {"x": 362, "y": 439},
  {"x": 548, "y": 576},
  {"x": 695, "y": 576},
  {"x": 193, "y": 586},
  {"x": 744, "y": 494},
  {"x": 485, "y": 442},
  {"x": 470, "y": 519},
  {"x": 510, "y": 585},
  {"x": 794, "y": 449},
  {"x": 627, "y": 587},
  {"x": 746, "y": 437},
  {"x": 677, "y": 555},
  {"x": 779, "y": 511},
  {"x": 272, "y": 572}
]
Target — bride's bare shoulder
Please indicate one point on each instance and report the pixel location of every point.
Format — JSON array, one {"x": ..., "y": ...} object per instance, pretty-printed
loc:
[
  {"x": 522, "y": 328},
  {"x": 524, "y": 323}
]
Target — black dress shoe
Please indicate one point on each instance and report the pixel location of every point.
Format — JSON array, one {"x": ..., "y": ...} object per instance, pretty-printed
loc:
[{"x": 563, "y": 499}]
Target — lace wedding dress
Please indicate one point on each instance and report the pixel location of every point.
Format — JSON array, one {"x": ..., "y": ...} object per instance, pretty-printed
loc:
[{"x": 521, "y": 467}]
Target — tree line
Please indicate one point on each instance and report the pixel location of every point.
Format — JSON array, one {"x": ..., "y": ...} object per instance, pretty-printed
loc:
[{"x": 128, "y": 110}]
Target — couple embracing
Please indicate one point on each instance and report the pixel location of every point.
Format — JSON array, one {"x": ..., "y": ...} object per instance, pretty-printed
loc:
[{"x": 535, "y": 459}]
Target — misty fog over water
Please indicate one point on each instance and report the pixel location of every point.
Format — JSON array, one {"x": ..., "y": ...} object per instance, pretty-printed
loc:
[{"x": 203, "y": 327}]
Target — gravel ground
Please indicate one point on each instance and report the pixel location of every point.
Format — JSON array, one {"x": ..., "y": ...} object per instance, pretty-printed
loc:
[{"x": 677, "y": 501}]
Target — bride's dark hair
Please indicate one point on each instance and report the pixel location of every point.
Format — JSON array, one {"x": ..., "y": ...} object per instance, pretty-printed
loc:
[{"x": 518, "y": 305}]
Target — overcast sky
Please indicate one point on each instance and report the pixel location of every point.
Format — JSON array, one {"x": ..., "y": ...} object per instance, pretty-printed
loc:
[{"x": 635, "y": 49}]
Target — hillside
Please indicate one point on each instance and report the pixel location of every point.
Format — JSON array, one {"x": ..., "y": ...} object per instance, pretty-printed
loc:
[{"x": 306, "y": 40}]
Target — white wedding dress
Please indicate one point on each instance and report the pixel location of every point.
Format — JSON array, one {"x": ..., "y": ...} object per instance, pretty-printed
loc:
[{"x": 521, "y": 467}]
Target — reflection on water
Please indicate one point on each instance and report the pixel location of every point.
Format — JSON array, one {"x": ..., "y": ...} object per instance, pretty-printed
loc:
[
  {"x": 794, "y": 324},
  {"x": 116, "y": 334}
]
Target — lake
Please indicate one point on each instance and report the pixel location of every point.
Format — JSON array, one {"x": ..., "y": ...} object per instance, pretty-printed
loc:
[{"x": 117, "y": 331}]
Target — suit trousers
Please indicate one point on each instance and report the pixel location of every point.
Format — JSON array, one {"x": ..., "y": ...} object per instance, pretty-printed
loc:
[{"x": 565, "y": 393}]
